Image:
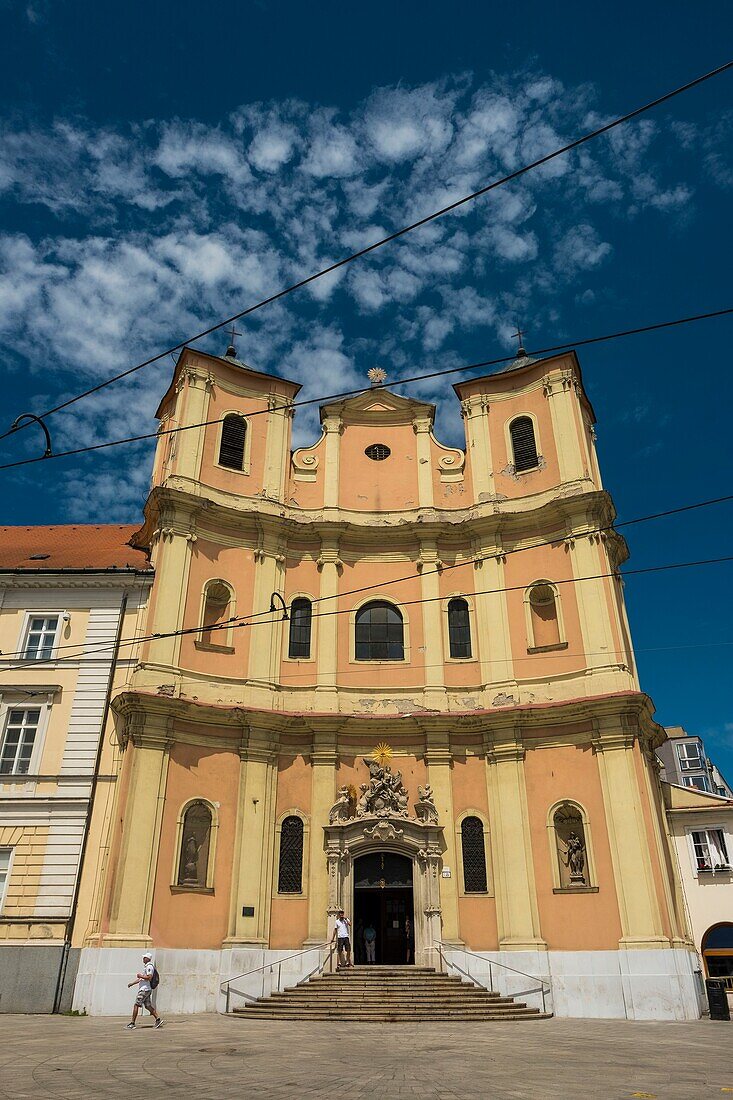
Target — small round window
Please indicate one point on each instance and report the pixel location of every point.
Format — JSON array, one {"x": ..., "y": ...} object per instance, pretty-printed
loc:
[{"x": 378, "y": 452}]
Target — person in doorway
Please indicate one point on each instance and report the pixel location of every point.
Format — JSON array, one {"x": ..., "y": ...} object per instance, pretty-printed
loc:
[
  {"x": 341, "y": 935},
  {"x": 408, "y": 940},
  {"x": 370, "y": 942},
  {"x": 144, "y": 980}
]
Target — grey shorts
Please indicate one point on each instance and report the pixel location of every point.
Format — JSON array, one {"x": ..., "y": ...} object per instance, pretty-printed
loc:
[{"x": 143, "y": 999}]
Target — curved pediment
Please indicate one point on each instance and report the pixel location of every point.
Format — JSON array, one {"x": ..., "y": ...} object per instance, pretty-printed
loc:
[{"x": 379, "y": 406}]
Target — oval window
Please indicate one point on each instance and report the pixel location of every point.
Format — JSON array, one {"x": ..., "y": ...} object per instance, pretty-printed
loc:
[{"x": 378, "y": 452}]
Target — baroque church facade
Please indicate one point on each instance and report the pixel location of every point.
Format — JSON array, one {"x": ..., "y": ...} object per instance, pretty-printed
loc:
[{"x": 409, "y": 692}]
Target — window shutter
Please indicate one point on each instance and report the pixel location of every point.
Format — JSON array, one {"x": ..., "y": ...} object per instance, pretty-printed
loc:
[
  {"x": 231, "y": 449},
  {"x": 523, "y": 443}
]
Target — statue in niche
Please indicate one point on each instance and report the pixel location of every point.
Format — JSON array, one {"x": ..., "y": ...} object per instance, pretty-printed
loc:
[
  {"x": 575, "y": 859},
  {"x": 191, "y": 860},
  {"x": 341, "y": 809},
  {"x": 425, "y": 808}
]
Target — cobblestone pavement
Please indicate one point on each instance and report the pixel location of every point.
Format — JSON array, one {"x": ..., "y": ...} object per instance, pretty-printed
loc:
[{"x": 214, "y": 1057}]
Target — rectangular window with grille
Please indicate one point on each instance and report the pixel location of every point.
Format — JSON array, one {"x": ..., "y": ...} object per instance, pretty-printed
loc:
[
  {"x": 21, "y": 730},
  {"x": 41, "y": 637}
]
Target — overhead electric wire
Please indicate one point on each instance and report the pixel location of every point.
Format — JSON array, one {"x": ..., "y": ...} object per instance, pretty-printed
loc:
[
  {"x": 568, "y": 147},
  {"x": 231, "y": 624},
  {"x": 351, "y": 393},
  {"x": 612, "y": 526}
]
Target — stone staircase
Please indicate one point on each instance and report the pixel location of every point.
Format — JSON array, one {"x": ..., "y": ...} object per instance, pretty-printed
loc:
[{"x": 388, "y": 994}]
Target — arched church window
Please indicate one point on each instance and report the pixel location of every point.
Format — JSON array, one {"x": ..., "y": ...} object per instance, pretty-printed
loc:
[
  {"x": 473, "y": 849},
  {"x": 544, "y": 616},
  {"x": 217, "y": 600},
  {"x": 459, "y": 628},
  {"x": 290, "y": 871},
  {"x": 570, "y": 844},
  {"x": 301, "y": 614},
  {"x": 379, "y": 633},
  {"x": 231, "y": 447},
  {"x": 524, "y": 447},
  {"x": 193, "y": 863}
]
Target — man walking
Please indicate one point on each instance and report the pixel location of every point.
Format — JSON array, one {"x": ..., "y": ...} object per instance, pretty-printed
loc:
[
  {"x": 145, "y": 980},
  {"x": 341, "y": 935}
]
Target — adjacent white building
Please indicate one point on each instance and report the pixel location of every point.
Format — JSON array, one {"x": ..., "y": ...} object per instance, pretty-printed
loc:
[
  {"x": 701, "y": 828},
  {"x": 68, "y": 596}
]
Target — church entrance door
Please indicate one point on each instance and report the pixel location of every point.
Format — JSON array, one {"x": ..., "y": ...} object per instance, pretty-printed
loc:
[{"x": 383, "y": 899}]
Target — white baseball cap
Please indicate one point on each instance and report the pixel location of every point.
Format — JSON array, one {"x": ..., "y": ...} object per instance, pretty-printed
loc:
[{"x": 147, "y": 955}]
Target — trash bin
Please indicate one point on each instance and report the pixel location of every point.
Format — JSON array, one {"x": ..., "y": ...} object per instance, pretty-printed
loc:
[{"x": 717, "y": 999}]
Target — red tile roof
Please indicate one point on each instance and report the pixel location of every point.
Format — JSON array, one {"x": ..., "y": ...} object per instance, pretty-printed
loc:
[{"x": 70, "y": 546}]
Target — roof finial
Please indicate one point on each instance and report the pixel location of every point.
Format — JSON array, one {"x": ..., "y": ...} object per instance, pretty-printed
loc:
[
  {"x": 519, "y": 335},
  {"x": 231, "y": 351},
  {"x": 377, "y": 376},
  {"x": 522, "y": 360}
]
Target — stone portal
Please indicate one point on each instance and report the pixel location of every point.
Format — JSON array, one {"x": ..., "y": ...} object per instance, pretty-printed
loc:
[{"x": 404, "y": 850}]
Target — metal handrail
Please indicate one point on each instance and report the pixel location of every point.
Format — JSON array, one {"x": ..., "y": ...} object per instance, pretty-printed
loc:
[
  {"x": 544, "y": 987},
  {"x": 271, "y": 966}
]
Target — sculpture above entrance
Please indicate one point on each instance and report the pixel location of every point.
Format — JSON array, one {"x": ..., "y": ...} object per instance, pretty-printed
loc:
[{"x": 383, "y": 796}]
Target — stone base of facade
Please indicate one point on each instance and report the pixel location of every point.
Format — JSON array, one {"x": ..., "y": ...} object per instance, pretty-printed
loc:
[
  {"x": 662, "y": 984},
  {"x": 33, "y": 977},
  {"x": 190, "y": 981},
  {"x": 635, "y": 985}
]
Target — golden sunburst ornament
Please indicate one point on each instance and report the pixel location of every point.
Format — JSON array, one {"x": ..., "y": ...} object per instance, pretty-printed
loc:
[
  {"x": 382, "y": 754},
  {"x": 376, "y": 376}
]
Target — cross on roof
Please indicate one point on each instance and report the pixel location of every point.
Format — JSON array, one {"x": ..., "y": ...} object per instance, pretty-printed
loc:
[
  {"x": 232, "y": 333},
  {"x": 519, "y": 335}
]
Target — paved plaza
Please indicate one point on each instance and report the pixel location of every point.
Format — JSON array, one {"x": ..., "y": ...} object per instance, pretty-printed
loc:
[{"x": 217, "y": 1057}]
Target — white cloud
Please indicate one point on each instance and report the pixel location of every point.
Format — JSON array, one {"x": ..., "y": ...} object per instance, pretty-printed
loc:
[{"x": 149, "y": 233}]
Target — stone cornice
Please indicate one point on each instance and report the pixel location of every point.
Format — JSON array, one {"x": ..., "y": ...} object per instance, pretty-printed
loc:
[
  {"x": 625, "y": 715},
  {"x": 573, "y": 510},
  {"x": 106, "y": 579}
]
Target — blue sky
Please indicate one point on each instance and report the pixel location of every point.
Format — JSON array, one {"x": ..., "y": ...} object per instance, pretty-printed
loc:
[{"x": 163, "y": 165}]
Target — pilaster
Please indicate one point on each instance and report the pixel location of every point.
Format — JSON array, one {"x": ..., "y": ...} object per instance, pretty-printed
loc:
[
  {"x": 475, "y": 411},
  {"x": 333, "y": 427},
  {"x": 641, "y": 924},
  {"x": 561, "y": 391},
  {"x": 324, "y": 758},
  {"x": 429, "y": 566},
  {"x": 252, "y": 873},
  {"x": 330, "y": 566},
  {"x": 148, "y": 741},
  {"x": 196, "y": 385},
  {"x": 422, "y": 426},
  {"x": 439, "y": 760},
  {"x": 266, "y": 642},
  {"x": 511, "y": 846},
  {"x": 173, "y": 539},
  {"x": 589, "y": 560},
  {"x": 277, "y": 451},
  {"x": 492, "y": 616}
]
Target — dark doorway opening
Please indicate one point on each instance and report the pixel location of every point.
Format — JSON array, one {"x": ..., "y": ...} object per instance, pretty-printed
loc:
[{"x": 383, "y": 900}]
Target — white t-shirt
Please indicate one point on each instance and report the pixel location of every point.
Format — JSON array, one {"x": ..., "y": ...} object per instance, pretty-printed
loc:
[
  {"x": 342, "y": 928},
  {"x": 144, "y": 985}
]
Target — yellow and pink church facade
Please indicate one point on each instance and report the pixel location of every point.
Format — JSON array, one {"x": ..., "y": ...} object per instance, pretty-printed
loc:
[{"x": 410, "y": 692}]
